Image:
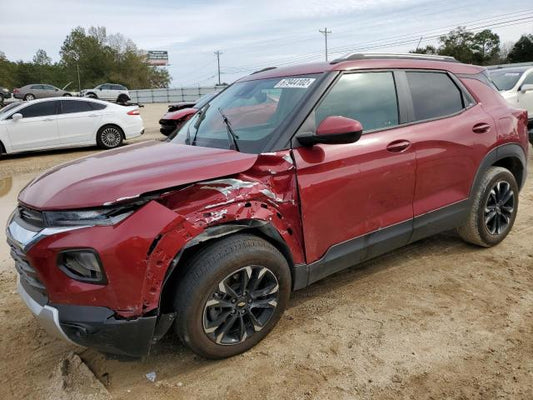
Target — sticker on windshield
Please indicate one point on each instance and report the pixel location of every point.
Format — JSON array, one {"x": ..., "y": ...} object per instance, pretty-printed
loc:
[{"x": 298, "y": 83}]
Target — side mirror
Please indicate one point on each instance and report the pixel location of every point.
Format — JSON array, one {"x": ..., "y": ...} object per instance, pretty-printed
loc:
[
  {"x": 526, "y": 88},
  {"x": 17, "y": 116},
  {"x": 334, "y": 130},
  {"x": 99, "y": 88}
]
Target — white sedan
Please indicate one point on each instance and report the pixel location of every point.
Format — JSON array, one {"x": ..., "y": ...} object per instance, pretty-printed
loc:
[{"x": 66, "y": 122}]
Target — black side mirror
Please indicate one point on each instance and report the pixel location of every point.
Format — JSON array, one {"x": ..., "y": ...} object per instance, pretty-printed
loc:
[{"x": 334, "y": 130}]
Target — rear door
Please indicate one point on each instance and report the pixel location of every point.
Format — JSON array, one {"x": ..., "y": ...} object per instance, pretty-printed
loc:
[
  {"x": 107, "y": 92},
  {"x": 350, "y": 191},
  {"x": 78, "y": 121},
  {"x": 451, "y": 135},
  {"x": 37, "y": 129}
]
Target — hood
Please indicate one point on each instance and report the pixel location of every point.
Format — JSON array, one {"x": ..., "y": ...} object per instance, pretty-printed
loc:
[
  {"x": 184, "y": 112},
  {"x": 128, "y": 172}
]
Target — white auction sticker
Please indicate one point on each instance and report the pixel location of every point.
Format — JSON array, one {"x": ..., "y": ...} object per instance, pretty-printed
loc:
[{"x": 299, "y": 83}]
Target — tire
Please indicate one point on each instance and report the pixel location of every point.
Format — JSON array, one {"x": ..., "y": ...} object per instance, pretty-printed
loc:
[
  {"x": 122, "y": 99},
  {"x": 202, "y": 290},
  {"x": 109, "y": 137},
  {"x": 67, "y": 95},
  {"x": 494, "y": 208},
  {"x": 1, "y": 99},
  {"x": 29, "y": 97},
  {"x": 92, "y": 95}
]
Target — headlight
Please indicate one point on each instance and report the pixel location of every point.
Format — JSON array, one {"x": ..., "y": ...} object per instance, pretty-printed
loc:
[
  {"x": 87, "y": 217},
  {"x": 82, "y": 265}
]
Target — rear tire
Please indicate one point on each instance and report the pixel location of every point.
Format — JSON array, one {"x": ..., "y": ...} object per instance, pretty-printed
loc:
[
  {"x": 122, "y": 99},
  {"x": 232, "y": 294},
  {"x": 29, "y": 97},
  {"x": 494, "y": 209},
  {"x": 109, "y": 137}
]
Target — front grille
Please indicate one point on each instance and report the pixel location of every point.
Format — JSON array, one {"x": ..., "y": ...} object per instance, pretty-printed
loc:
[
  {"x": 32, "y": 217},
  {"x": 28, "y": 274}
]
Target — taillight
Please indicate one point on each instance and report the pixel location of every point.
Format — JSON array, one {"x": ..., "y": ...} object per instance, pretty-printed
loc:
[
  {"x": 134, "y": 112},
  {"x": 15, "y": 90}
]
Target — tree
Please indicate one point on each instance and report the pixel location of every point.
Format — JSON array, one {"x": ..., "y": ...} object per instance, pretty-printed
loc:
[
  {"x": 458, "y": 43},
  {"x": 41, "y": 58},
  {"x": 522, "y": 50},
  {"x": 486, "y": 47},
  {"x": 425, "y": 50}
]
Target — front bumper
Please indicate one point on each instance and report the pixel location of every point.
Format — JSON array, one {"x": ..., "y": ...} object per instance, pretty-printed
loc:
[{"x": 94, "y": 327}]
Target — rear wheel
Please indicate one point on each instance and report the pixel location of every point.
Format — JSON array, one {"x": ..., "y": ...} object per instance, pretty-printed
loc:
[
  {"x": 231, "y": 296},
  {"x": 29, "y": 97},
  {"x": 109, "y": 137},
  {"x": 122, "y": 99},
  {"x": 494, "y": 209}
]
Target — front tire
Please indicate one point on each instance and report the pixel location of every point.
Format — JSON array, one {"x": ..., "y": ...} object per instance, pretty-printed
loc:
[
  {"x": 109, "y": 137},
  {"x": 29, "y": 97},
  {"x": 92, "y": 96},
  {"x": 494, "y": 209},
  {"x": 67, "y": 95},
  {"x": 231, "y": 296}
]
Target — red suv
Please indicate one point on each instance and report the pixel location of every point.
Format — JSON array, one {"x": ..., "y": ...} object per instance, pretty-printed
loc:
[{"x": 287, "y": 176}]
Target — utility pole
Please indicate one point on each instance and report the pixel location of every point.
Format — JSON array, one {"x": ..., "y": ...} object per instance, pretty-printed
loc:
[
  {"x": 325, "y": 32},
  {"x": 218, "y": 53}
]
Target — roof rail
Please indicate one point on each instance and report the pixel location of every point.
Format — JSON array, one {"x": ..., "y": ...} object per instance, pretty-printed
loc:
[
  {"x": 382, "y": 56},
  {"x": 263, "y": 70}
]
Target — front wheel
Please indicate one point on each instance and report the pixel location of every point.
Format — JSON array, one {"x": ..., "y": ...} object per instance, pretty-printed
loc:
[
  {"x": 494, "y": 209},
  {"x": 29, "y": 97},
  {"x": 67, "y": 95},
  {"x": 92, "y": 96},
  {"x": 232, "y": 295},
  {"x": 109, "y": 137}
]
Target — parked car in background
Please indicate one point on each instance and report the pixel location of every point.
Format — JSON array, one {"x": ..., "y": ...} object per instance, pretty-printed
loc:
[
  {"x": 4, "y": 94},
  {"x": 210, "y": 232},
  {"x": 174, "y": 119},
  {"x": 67, "y": 122},
  {"x": 109, "y": 92},
  {"x": 38, "y": 91},
  {"x": 516, "y": 86}
]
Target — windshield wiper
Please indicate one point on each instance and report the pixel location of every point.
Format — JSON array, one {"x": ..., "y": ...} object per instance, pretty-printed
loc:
[
  {"x": 232, "y": 136},
  {"x": 201, "y": 116}
]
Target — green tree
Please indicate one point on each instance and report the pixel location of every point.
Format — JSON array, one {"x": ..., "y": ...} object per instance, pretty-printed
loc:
[
  {"x": 522, "y": 51},
  {"x": 41, "y": 58},
  {"x": 486, "y": 47},
  {"x": 425, "y": 50},
  {"x": 458, "y": 43}
]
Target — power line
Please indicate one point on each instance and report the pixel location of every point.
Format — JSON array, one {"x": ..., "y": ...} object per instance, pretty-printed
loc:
[{"x": 325, "y": 32}]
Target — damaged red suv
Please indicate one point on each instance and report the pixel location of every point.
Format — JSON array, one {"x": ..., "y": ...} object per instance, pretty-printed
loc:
[{"x": 286, "y": 177}]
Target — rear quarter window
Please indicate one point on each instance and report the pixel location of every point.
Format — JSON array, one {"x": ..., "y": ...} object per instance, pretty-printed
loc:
[{"x": 434, "y": 95}]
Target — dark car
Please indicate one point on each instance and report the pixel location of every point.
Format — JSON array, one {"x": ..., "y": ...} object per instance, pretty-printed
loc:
[
  {"x": 287, "y": 176},
  {"x": 4, "y": 94},
  {"x": 178, "y": 115}
]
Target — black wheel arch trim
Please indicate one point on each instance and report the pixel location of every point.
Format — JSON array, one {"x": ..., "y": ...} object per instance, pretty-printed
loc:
[{"x": 509, "y": 150}]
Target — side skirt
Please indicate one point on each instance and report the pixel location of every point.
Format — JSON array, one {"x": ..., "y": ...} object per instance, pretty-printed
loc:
[{"x": 357, "y": 250}]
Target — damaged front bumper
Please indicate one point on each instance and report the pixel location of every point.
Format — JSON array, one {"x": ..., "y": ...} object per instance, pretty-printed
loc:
[{"x": 94, "y": 327}]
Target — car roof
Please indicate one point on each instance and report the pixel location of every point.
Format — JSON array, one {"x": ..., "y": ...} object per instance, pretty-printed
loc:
[
  {"x": 379, "y": 61},
  {"x": 66, "y": 98},
  {"x": 510, "y": 69}
]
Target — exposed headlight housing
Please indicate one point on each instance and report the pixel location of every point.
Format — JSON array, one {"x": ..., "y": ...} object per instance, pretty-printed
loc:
[
  {"x": 82, "y": 265},
  {"x": 86, "y": 217}
]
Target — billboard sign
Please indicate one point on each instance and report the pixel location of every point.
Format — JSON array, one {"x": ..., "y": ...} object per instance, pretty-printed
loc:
[{"x": 157, "y": 57}]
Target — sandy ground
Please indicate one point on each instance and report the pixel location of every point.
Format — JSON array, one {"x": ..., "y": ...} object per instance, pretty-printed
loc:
[{"x": 437, "y": 319}]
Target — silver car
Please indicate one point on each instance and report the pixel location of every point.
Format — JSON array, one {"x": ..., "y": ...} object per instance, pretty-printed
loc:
[{"x": 38, "y": 91}]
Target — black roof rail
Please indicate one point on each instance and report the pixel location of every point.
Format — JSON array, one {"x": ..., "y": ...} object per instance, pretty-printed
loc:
[
  {"x": 392, "y": 56},
  {"x": 263, "y": 70}
]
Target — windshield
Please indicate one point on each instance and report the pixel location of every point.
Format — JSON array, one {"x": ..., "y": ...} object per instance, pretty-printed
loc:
[
  {"x": 8, "y": 108},
  {"x": 505, "y": 80},
  {"x": 202, "y": 101},
  {"x": 250, "y": 110}
]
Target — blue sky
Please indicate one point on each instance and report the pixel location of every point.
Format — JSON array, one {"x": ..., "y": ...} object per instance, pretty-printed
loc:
[{"x": 253, "y": 34}]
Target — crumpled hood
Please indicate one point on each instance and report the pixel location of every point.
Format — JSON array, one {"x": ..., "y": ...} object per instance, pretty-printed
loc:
[{"x": 110, "y": 176}]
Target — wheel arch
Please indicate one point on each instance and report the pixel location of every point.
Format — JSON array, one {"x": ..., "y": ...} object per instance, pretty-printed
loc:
[
  {"x": 510, "y": 156},
  {"x": 2, "y": 148},
  {"x": 262, "y": 229},
  {"x": 113, "y": 124}
]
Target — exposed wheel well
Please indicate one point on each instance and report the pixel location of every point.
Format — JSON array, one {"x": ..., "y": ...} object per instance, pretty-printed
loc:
[
  {"x": 514, "y": 165},
  {"x": 181, "y": 262},
  {"x": 2, "y": 148}
]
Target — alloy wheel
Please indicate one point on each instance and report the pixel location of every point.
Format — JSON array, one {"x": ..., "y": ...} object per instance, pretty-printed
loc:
[
  {"x": 110, "y": 137},
  {"x": 241, "y": 306},
  {"x": 499, "y": 208}
]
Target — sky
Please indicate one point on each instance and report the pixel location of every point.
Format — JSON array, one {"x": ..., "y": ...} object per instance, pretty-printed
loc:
[{"x": 254, "y": 34}]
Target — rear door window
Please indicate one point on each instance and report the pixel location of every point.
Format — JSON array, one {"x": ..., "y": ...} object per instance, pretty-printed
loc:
[
  {"x": 368, "y": 97},
  {"x": 42, "y": 109},
  {"x": 74, "y": 106},
  {"x": 434, "y": 95}
]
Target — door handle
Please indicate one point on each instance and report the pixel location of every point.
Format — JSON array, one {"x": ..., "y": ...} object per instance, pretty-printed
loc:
[
  {"x": 93, "y": 115},
  {"x": 482, "y": 127},
  {"x": 48, "y": 119},
  {"x": 398, "y": 146}
]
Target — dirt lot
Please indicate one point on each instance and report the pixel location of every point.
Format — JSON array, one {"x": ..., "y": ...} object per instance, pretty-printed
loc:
[{"x": 437, "y": 319}]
